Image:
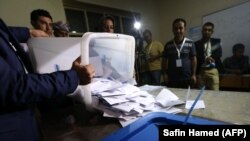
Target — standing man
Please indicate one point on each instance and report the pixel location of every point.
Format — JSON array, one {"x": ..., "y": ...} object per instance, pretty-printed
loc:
[
  {"x": 42, "y": 20},
  {"x": 209, "y": 52},
  {"x": 179, "y": 58},
  {"x": 153, "y": 52}
]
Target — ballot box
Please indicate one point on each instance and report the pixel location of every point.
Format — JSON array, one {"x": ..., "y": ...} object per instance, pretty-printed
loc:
[
  {"x": 147, "y": 127},
  {"x": 111, "y": 54}
]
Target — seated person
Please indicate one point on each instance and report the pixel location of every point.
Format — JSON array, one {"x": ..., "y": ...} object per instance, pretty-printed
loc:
[
  {"x": 60, "y": 29},
  {"x": 238, "y": 63}
]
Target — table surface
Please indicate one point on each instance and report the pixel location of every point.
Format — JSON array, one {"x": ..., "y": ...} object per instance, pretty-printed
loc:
[{"x": 227, "y": 106}]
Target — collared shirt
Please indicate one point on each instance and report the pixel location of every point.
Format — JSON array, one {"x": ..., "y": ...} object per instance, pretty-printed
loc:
[
  {"x": 170, "y": 53},
  {"x": 207, "y": 49}
]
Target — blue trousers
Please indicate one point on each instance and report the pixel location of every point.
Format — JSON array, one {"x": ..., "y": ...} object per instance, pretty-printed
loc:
[{"x": 153, "y": 77}]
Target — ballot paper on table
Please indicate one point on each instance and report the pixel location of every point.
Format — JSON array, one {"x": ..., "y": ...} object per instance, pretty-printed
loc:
[
  {"x": 126, "y": 107},
  {"x": 199, "y": 105},
  {"x": 115, "y": 99},
  {"x": 111, "y": 114},
  {"x": 128, "y": 89},
  {"x": 110, "y": 93},
  {"x": 166, "y": 98},
  {"x": 128, "y": 120},
  {"x": 144, "y": 101},
  {"x": 102, "y": 85},
  {"x": 150, "y": 87}
]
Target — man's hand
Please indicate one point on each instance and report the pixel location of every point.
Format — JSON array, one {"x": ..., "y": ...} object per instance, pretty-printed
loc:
[
  {"x": 38, "y": 33},
  {"x": 209, "y": 60},
  {"x": 193, "y": 80},
  {"x": 85, "y": 73},
  {"x": 165, "y": 78}
]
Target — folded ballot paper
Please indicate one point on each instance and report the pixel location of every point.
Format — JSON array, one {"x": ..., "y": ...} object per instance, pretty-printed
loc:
[
  {"x": 198, "y": 105},
  {"x": 166, "y": 98}
]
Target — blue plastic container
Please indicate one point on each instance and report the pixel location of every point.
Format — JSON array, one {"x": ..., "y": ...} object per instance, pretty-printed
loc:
[{"x": 145, "y": 128}]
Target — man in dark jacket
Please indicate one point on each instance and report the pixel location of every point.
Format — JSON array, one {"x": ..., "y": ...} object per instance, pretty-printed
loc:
[
  {"x": 21, "y": 89},
  {"x": 209, "y": 52}
]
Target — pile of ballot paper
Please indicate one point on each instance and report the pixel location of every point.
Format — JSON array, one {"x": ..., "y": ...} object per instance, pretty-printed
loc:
[{"x": 128, "y": 102}]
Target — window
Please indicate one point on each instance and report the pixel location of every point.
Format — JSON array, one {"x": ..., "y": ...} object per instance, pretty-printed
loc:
[
  {"x": 76, "y": 20},
  {"x": 94, "y": 21},
  {"x": 84, "y": 17}
]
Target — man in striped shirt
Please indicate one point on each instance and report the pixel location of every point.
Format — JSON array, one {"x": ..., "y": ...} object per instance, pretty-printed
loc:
[{"x": 179, "y": 58}]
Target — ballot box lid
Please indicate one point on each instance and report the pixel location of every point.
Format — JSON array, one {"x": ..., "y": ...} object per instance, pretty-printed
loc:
[{"x": 146, "y": 128}]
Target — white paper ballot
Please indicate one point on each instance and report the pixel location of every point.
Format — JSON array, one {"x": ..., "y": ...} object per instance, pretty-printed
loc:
[
  {"x": 115, "y": 100},
  {"x": 111, "y": 93},
  {"x": 104, "y": 85},
  {"x": 126, "y": 107},
  {"x": 199, "y": 105},
  {"x": 150, "y": 87},
  {"x": 167, "y": 98},
  {"x": 128, "y": 88}
]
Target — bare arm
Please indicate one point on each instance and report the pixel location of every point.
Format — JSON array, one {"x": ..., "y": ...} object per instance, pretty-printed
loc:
[
  {"x": 165, "y": 69},
  {"x": 194, "y": 65}
]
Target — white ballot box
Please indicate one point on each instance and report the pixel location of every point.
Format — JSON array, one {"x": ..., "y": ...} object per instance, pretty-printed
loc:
[
  {"x": 53, "y": 54},
  {"x": 112, "y": 55}
]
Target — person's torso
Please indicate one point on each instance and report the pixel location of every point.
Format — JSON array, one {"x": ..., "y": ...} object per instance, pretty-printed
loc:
[
  {"x": 186, "y": 53},
  {"x": 154, "y": 49},
  {"x": 233, "y": 63}
]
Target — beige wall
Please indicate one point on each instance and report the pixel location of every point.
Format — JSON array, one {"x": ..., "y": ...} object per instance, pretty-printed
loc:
[
  {"x": 17, "y": 12},
  {"x": 191, "y": 10},
  {"x": 157, "y": 15}
]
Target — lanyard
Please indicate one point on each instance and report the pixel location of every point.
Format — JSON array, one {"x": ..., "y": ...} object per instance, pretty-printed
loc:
[
  {"x": 179, "y": 50},
  {"x": 149, "y": 48}
]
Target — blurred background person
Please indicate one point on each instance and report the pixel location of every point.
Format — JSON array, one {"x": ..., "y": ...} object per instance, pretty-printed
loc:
[
  {"x": 108, "y": 24},
  {"x": 153, "y": 52},
  {"x": 60, "y": 29},
  {"x": 238, "y": 63},
  {"x": 209, "y": 52},
  {"x": 42, "y": 20}
]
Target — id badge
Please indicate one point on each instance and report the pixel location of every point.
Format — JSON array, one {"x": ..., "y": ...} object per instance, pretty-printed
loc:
[{"x": 178, "y": 63}]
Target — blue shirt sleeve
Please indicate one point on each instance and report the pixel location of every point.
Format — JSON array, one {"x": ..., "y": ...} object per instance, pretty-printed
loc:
[
  {"x": 22, "y": 34},
  {"x": 19, "y": 88}
]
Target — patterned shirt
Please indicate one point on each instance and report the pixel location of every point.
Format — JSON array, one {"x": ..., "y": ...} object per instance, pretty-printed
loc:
[{"x": 187, "y": 52}]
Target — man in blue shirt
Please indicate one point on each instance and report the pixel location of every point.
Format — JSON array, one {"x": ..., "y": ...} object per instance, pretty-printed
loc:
[{"x": 22, "y": 89}]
